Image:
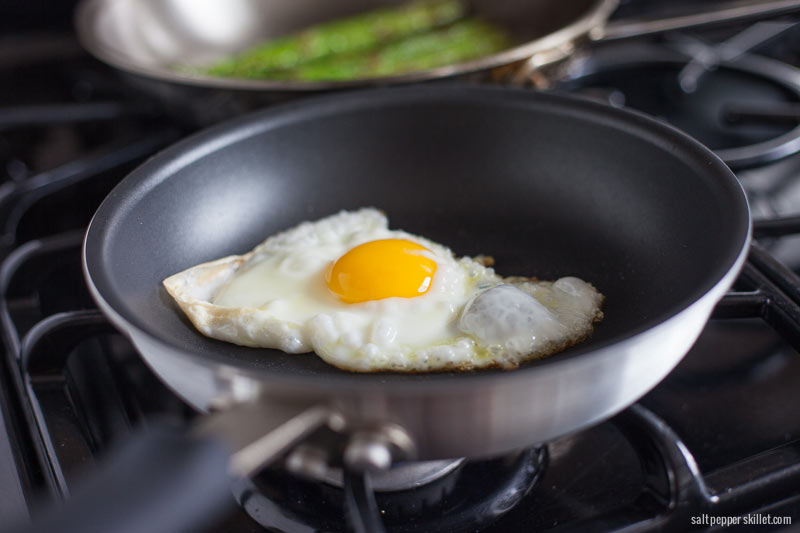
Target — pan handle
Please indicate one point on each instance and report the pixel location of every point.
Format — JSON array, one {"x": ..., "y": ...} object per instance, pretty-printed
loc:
[
  {"x": 731, "y": 12},
  {"x": 164, "y": 479},
  {"x": 161, "y": 480}
]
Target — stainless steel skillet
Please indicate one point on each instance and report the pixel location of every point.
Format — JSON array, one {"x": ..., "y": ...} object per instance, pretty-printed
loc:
[
  {"x": 549, "y": 186},
  {"x": 152, "y": 37},
  {"x": 147, "y": 39}
]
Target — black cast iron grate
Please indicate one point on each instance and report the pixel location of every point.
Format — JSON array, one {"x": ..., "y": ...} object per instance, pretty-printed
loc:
[{"x": 83, "y": 387}]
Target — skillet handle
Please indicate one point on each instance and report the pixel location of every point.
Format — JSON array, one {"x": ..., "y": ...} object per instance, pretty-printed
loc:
[
  {"x": 168, "y": 480},
  {"x": 162, "y": 480}
]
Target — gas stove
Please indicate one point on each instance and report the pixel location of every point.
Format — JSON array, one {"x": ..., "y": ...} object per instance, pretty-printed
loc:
[{"x": 715, "y": 444}]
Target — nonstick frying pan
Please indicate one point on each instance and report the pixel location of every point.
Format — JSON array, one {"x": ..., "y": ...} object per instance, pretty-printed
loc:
[{"x": 550, "y": 186}]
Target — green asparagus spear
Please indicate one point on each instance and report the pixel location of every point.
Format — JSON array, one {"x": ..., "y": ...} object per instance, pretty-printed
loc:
[
  {"x": 464, "y": 40},
  {"x": 344, "y": 36}
]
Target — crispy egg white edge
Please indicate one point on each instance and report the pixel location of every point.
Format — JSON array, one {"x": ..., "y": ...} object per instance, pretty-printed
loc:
[{"x": 194, "y": 288}]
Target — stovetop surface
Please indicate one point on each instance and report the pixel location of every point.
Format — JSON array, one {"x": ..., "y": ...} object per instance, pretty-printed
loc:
[{"x": 720, "y": 436}]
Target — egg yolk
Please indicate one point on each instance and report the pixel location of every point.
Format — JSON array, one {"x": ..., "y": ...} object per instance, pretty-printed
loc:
[{"x": 381, "y": 269}]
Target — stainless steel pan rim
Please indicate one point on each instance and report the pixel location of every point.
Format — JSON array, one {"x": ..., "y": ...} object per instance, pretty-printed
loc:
[
  {"x": 433, "y": 384},
  {"x": 88, "y": 14}
]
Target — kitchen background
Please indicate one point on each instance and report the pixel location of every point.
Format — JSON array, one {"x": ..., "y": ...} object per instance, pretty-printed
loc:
[{"x": 720, "y": 436}]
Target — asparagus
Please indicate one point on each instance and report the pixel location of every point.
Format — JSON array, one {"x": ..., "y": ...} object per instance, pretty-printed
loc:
[
  {"x": 344, "y": 36},
  {"x": 464, "y": 40}
]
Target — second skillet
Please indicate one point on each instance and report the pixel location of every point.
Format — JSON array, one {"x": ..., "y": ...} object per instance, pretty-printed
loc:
[{"x": 549, "y": 186}]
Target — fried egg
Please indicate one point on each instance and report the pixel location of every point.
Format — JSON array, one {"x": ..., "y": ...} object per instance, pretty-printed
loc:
[{"x": 367, "y": 298}]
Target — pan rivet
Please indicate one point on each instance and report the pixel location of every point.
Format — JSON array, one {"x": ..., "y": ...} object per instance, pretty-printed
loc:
[
  {"x": 376, "y": 448},
  {"x": 337, "y": 422},
  {"x": 597, "y": 33},
  {"x": 365, "y": 452},
  {"x": 308, "y": 461}
]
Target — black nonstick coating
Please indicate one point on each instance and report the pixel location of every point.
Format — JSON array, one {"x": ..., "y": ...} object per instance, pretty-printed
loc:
[{"x": 549, "y": 186}]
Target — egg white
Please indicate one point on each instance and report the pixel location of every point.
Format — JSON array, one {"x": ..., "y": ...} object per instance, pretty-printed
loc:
[{"x": 275, "y": 296}]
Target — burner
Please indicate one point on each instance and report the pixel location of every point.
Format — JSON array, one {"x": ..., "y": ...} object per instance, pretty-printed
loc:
[
  {"x": 731, "y": 109},
  {"x": 405, "y": 476},
  {"x": 469, "y": 495}
]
